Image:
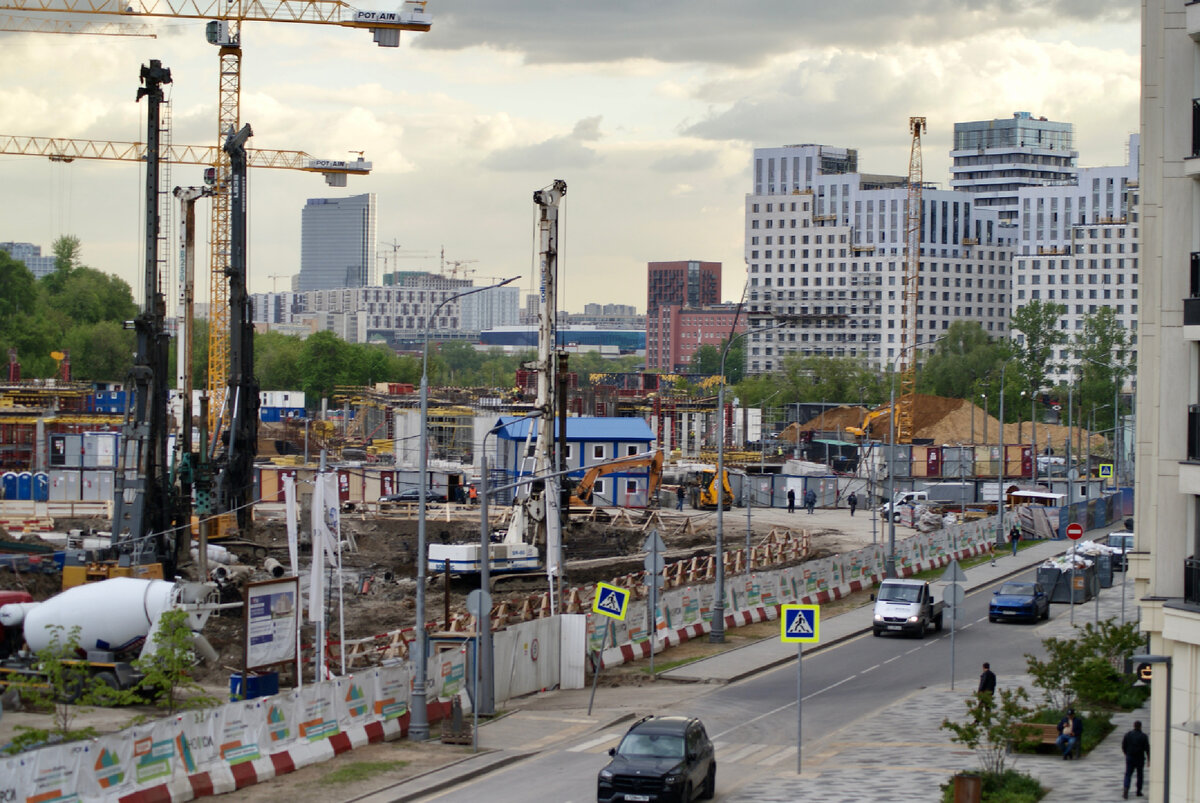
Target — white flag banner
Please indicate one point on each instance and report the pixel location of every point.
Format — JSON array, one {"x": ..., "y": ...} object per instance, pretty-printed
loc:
[
  {"x": 553, "y": 526},
  {"x": 293, "y": 522},
  {"x": 316, "y": 580},
  {"x": 331, "y": 525}
]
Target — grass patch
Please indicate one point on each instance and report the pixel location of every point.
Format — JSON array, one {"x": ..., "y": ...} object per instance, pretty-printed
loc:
[
  {"x": 1009, "y": 786},
  {"x": 361, "y": 771},
  {"x": 663, "y": 666},
  {"x": 967, "y": 563}
]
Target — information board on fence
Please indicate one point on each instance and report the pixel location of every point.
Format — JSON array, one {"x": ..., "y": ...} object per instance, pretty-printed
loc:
[{"x": 271, "y": 622}]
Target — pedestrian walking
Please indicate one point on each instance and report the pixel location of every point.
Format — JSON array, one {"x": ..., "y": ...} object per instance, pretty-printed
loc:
[
  {"x": 992, "y": 550},
  {"x": 679, "y": 497},
  {"x": 1014, "y": 537},
  {"x": 791, "y": 500},
  {"x": 1070, "y": 733},
  {"x": 987, "y": 680},
  {"x": 810, "y": 500},
  {"x": 1136, "y": 747},
  {"x": 852, "y": 501},
  {"x": 472, "y": 494}
]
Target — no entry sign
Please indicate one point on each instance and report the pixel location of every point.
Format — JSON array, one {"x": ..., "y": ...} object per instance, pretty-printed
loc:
[{"x": 1075, "y": 531}]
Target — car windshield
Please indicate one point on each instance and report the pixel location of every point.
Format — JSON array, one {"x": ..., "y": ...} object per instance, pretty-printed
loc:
[
  {"x": 1017, "y": 589},
  {"x": 898, "y": 593},
  {"x": 652, "y": 745},
  {"x": 1121, "y": 541}
]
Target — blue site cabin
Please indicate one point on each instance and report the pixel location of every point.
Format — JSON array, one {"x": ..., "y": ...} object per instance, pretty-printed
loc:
[{"x": 589, "y": 441}]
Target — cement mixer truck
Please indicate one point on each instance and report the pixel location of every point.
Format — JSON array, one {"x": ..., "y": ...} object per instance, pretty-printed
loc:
[{"x": 117, "y": 620}]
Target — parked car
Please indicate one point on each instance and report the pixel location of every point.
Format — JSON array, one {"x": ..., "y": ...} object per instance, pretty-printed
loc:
[
  {"x": 1019, "y": 601},
  {"x": 1122, "y": 540},
  {"x": 414, "y": 495},
  {"x": 660, "y": 759}
]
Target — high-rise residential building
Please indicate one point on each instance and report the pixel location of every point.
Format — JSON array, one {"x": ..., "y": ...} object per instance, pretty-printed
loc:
[
  {"x": 688, "y": 283},
  {"x": 828, "y": 248},
  {"x": 1165, "y": 564},
  {"x": 31, "y": 255},
  {"x": 487, "y": 309},
  {"x": 994, "y": 159},
  {"x": 337, "y": 243},
  {"x": 1077, "y": 245},
  {"x": 674, "y": 333}
]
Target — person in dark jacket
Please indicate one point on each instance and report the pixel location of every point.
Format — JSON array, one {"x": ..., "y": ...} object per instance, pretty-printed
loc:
[
  {"x": 679, "y": 497},
  {"x": 987, "y": 679},
  {"x": 810, "y": 500},
  {"x": 791, "y": 500},
  {"x": 1070, "y": 733},
  {"x": 852, "y": 501},
  {"x": 1136, "y": 747}
]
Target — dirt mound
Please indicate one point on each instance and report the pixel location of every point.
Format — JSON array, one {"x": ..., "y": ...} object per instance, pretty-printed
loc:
[{"x": 835, "y": 420}]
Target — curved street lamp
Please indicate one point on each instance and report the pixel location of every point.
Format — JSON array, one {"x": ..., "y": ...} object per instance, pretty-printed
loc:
[
  {"x": 418, "y": 727},
  {"x": 717, "y": 634}
]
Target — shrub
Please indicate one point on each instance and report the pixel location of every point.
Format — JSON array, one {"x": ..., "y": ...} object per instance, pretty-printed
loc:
[{"x": 993, "y": 728}]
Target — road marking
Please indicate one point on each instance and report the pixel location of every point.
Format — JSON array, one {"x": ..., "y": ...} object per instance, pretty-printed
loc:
[
  {"x": 769, "y": 751},
  {"x": 590, "y": 743},
  {"x": 783, "y": 707},
  {"x": 894, "y": 658},
  {"x": 865, "y": 671},
  {"x": 745, "y": 751},
  {"x": 780, "y": 756}
]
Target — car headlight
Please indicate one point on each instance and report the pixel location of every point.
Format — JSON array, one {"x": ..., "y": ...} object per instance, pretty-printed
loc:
[
  {"x": 605, "y": 775},
  {"x": 671, "y": 780},
  {"x": 912, "y": 620}
]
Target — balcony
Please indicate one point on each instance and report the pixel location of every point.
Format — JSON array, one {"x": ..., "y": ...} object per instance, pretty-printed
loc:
[
  {"x": 1191, "y": 581},
  {"x": 1193, "y": 20}
]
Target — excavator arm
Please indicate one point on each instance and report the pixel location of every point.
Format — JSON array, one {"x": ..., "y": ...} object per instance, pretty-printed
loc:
[
  {"x": 581, "y": 496},
  {"x": 869, "y": 419}
]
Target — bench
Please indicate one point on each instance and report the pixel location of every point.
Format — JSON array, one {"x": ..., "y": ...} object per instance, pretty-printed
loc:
[{"x": 1047, "y": 736}]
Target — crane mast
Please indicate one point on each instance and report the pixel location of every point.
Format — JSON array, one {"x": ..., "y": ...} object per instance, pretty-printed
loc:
[{"x": 912, "y": 282}]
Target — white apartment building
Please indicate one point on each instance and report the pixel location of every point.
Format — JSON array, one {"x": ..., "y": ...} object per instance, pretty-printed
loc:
[
  {"x": 397, "y": 313},
  {"x": 828, "y": 244},
  {"x": 1077, "y": 245},
  {"x": 1166, "y": 564},
  {"x": 995, "y": 159}
]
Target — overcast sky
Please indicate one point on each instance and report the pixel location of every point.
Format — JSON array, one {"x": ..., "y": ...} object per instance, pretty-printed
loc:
[{"x": 649, "y": 111}]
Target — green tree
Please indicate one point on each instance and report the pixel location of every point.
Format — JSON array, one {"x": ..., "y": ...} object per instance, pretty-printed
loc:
[
  {"x": 101, "y": 351},
  {"x": 961, "y": 359},
  {"x": 18, "y": 291},
  {"x": 1102, "y": 348},
  {"x": 67, "y": 250},
  {"x": 1038, "y": 323},
  {"x": 992, "y": 729},
  {"x": 88, "y": 296},
  {"x": 62, "y": 681},
  {"x": 166, "y": 670},
  {"x": 277, "y": 360},
  {"x": 831, "y": 379},
  {"x": 707, "y": 360}
]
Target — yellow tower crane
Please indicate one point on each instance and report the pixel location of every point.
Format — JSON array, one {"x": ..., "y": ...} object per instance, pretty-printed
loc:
[
  {"x": 224, "y": 31},
  {"x": 912, "y": 286}
]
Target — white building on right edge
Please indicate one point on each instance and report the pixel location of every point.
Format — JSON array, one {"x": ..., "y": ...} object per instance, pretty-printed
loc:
[
  {"x": 1077, "y": 245},
  {"x": 1166, "y": 563}
]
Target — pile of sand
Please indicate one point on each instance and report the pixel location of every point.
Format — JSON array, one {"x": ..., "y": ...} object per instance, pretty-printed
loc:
[{"x": 959, "y": 422}]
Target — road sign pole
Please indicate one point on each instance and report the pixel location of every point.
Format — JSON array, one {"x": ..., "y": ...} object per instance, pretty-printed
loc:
[
  {"x": 799, "y": 701},
  {"x": 1072, "y": 585}
]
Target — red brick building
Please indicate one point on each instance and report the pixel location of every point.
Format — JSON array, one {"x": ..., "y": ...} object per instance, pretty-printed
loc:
[
  {"x": 689, "y": 283},
  {"x": 673, "y": 333}
]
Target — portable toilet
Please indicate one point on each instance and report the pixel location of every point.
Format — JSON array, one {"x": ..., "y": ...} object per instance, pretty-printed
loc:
[
  {"x": 8, "y": 485},
  {"x": 25, "y": 486},
  {"x": 41, "y": 487}
]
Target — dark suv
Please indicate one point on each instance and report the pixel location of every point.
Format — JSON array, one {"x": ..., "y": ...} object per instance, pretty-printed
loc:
[{"x": 660, "y": 759}]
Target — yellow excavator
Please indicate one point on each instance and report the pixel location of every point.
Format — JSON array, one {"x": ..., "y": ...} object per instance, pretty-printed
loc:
[
  {"x": 870, "y": 418},
  {"x": 581, "y": 496},
  {"x": 708, "y": 490}
]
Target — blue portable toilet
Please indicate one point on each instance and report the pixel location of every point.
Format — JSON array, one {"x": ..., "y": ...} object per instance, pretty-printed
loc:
[
  {"x": 8, "y": 484},
  {"x": 41, "y": 487},
  {"x": 25, "y": 486}
]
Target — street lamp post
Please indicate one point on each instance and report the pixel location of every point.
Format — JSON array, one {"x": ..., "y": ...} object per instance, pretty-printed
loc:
[
  {"x": 762, "y": 450},
  {"x": 418, "y": 727},
  {"x": 1118, "y": 375},
  {"x": 717, "y": 634},
  {"x": 1000, "y": 470},
  {"x": 1143, "y": 658},
  {"x": 889, "y": 560}
]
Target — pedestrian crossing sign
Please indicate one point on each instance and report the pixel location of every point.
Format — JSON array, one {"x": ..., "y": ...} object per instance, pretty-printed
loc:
[
  {"x": 610, "y": 601},
  {"x": 800, "y": 623},
  {"x": 1106, "y": 471}
]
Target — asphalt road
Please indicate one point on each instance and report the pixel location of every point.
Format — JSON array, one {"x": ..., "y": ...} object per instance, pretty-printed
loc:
[{"x": 753, "y": 722}]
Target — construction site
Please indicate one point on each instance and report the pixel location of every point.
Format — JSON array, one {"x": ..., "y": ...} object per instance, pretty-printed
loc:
[{"x": 373, "y": 522}]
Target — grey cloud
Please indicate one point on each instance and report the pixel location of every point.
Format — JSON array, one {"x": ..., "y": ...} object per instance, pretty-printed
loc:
[
  {"x": 556, "y": 153},
  {"x": 707, "y": 31}
]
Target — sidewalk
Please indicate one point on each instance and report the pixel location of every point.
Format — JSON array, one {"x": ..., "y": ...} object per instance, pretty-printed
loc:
[{"x": 872, "y": 764}]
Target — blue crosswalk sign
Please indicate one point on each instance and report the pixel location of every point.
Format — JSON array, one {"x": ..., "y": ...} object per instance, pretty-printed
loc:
[
  {"x": 800, "y": 623},
  {"x": 610, "y": 600}
]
